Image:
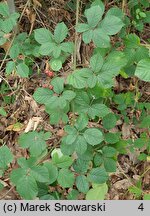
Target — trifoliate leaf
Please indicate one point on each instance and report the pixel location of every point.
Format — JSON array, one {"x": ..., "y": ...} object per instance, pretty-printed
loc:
[
  {"x": 22, "y": 70},
  {"x": 52, "y": 170},
  {"x": 27, "y": 187},
  {"x": 60, "y": 32},
  {"x": 98, "y": 175},
  {"x": 94, "y": 15},
  {"x": 93, "y": 136},
  {"x": 82, "y": 184},
  {"x": 65, "y": 178},
  {"x": 143, "y": 70},
  {"x": 98, "y": 192},
  {"x": 6, "y": 157},
  {"x": 80, "y": 144},
  {"x": 58, "y": 84},
  {"x": 3, "y": 112},
  {"x": 40, "y": 173},
  {"x": 109, "y": 121},
  {"x": 62, "y": 161},
  {"x": 43, "y": 36},
  {"x": 34, "y": 141},
  {"x": 56, "y": 64},
  {"x": 111, "y": 24},
  {"x": 42, "y": 95}
]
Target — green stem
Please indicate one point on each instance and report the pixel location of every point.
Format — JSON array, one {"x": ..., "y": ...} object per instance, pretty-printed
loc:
[
  {"x": 76, "y": 35},
  {"x": 11, "y": 5}
]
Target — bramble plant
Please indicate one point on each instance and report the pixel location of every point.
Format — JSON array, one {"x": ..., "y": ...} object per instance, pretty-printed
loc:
[{"x": 81, "y": 101}]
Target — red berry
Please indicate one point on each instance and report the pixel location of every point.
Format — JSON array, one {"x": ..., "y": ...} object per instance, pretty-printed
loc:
[
  {"x": 50, "y": 87},
  {"x": 50, "y": 74},
  {"x": 44, "y": 86},
  {"x": 46, "y": 71}
]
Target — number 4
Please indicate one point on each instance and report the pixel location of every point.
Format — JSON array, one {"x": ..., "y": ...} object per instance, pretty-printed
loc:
[{"x": 141, "y": 207}]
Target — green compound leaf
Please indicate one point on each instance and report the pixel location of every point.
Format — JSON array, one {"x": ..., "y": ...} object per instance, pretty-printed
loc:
[
  {"x": 62, "y": 161},
  {"x": 99, "y": 110},
  {"x": 87, "y": 36},
  {"x": 17, "y": 174},
  {"x": 94, "y": 15},
  {"x": 114, "y": 63},
  {"x": 60, "y": 32},
  {"x": 99, "y": 3},
  {"x": 100, "y": 38},
  {"x": 40, "y": 173},
  {"x": 10, "y": 66},
  {"x": 78, "y": 79},
  {"x": 34, "y": 141},
  {"x": 67, "y": 47},
  {"x": 98, "y": 192},
  {"x": 72, "y": 135},
  {"x": 98, "y": 175},
  {"x": 82, "y": 27},
  {"x": 3, "y": 112},
  {"x": 80, "y": 144},
  {"x": 82, "y": 184},
  {"x": 145, "y": 122},
  {"x": 110, "y": 164},
  {"x": 68, "y": 95},
  {"x": 4, "y": 10},
  {"x": 47, "y": 197},
  {"x": 43, "y": 36},
  {"x": 112, "y": 137},
  {"x": 22, "y": 70},
  {"x": 58, "y": 84},
  {"x": 52, "y": 170},
  {"x": 6, "y": 157},
  {"x": 42, "y": 95},
  {"x": 93, "y": 136},
  {"x": 81, "y": 122},
  {"x": 81, "y": 166},
  {"x": 146, "y": 196},
  {"x": 47, "y": 48},
  {"x": 65, "y": 178},
  {"x": 115, "y": 11},
  {"x": 2, "y": 39},
  {"x": 109, "y": 121},
  {"x": 143, "y": 70},
  {"x": 25, "y": 183},
  {"x": 96, "y": 62},
  {"x": 15, "y": 51},
  {"x": 111, "y": 25},
  {"x": 56, "y": 64},
  {"x": 27, "y": 163},
  {"x": 73, "y": 195},
  {"x": 27, "y": 187},
  {"x": 109, "y": 151}
]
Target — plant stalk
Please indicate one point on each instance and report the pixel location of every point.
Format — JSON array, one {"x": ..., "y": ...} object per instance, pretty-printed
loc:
[
  {"x": 11, "y": 5},
  {"x": 76, "y": 36}
]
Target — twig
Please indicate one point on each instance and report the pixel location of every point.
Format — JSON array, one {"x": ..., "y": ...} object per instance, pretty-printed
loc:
[
  {"x": 123, "y": 5},
  {"x": 7, "y": 193}
]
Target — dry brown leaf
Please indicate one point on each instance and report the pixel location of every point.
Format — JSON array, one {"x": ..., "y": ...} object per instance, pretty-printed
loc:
[
  {"x": 6, "y": 46},
  {"x": 36, "y": 3},
  {"x": 58, "y": 14},
  {"x": 33, "y": 124},
  {"x": 61, "y": 133},
  {"x": 122, "y": 184},
  {"x": 15, "y": 127},
  {"x": 32, "y": 103},
  {"x": 126, "y": 131}
]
